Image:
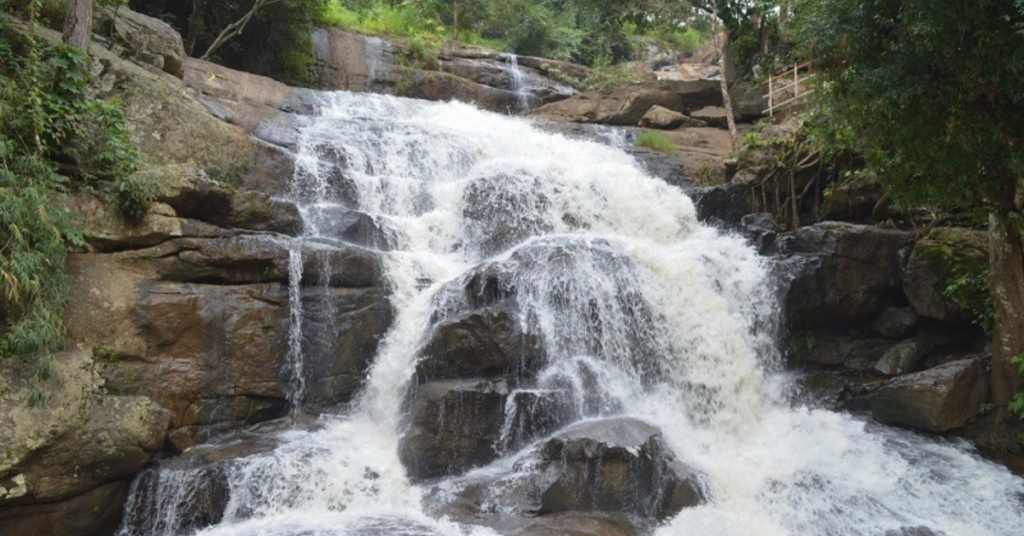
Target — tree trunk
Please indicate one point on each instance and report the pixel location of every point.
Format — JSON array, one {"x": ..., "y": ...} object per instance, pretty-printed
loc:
[
  {"x": 195, "y": 25},
  {"x": 455, "y": 30},
  {"x": 78, "y": 24},
  {"x": 721, "y": 44},
  {"x": 1006, "y": 272}
]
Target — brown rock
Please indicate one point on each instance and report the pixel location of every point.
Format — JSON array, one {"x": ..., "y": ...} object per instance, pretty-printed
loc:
[
  {"x": 663, "y": 118},
  {"x": 939, "y": 399},
  {"x": 623, "y": 106},
  {"x": 95, "y": 513},
  {"x": 454, "y": 426}
]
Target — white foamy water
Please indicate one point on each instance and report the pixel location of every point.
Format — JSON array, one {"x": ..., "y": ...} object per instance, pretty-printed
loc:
[{"x": 674, "y": 321}]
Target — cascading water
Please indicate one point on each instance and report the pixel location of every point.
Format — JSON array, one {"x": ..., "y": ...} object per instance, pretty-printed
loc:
[
  {"x": 522, "y": 95},
  {"x": 673, "y": 321}
]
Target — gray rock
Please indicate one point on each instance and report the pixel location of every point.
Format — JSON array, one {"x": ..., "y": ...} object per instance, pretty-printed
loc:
[
  {"x": 894, "y": 322},
  {"x": 455, "y": 425},
  {"x": 615, "y": 465},
  {"x": 145, "y": 39},
  {"x": 902, "y": 357},
  {"x": 935, "y": 400},
  {"x": 836, "y": 274}
]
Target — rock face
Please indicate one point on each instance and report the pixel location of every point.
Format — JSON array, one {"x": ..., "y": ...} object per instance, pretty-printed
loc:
[
  {"x": 935, "y": 400},
  {"x": 178, "y": 328},
  {"x": 73, "y": 456},
  {"x": 619, "y": 465},
  {"x": 145, "y": 39},
  {"x": 935, "y": 263},
  {"x": 840, "y": 273},
  {"x": 352, "y": 61}
]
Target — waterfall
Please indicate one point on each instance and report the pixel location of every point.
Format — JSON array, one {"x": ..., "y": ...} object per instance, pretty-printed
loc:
[
  {"x": 673, "y": 322},
  {"x": 522, "y": 94}
]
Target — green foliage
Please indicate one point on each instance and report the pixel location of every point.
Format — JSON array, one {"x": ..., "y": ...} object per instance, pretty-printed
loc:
[
  {"x": 802, "y": 342},
  {"x": 927, "y": 92},
  {"x": 969, "y": 289},
  {"x": 606, "y": 77},
  {"x": 1016, "y": 404},
  {"x": 655, "y": 142},
  {"x": 53, "y": 138}
]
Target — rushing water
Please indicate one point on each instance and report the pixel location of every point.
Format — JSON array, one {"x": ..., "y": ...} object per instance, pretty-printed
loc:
[{"x": 675, "y": 320}]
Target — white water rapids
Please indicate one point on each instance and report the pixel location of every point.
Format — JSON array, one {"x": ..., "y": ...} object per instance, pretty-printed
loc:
[{"x": 677, "y": 319}]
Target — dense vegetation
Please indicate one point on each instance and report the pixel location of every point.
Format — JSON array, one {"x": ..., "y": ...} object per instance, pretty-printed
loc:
[
  {"x": 54, "y": 139},
  {"x": 930, "y": 95}
]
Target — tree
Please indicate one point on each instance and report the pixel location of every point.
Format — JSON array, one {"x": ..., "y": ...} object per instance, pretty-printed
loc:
[
  {"x": 78, "y": 24},
  {"x": 932, "y": 95}
]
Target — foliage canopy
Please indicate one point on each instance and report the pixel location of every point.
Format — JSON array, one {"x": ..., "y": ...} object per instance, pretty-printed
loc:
[{"x": 931, "y": 93}]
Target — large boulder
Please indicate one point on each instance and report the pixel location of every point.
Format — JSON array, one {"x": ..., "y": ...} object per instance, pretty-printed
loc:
[
  {"x": 936, "y": 263},
  {"x": 485, "y": 342},
  {"x": 663, "y": 118},
  {"x": 144, "y": 39},
  {"x": 65, "y": 466},
  {"x": 455, "y": 425},
  {"x": 935, "y": 400},
  {"x": 617, "y": 470},
  {"x": 616, "y": 465},
  {"x": 625, "y": 106},
  {"x": 835, "y": 274}
]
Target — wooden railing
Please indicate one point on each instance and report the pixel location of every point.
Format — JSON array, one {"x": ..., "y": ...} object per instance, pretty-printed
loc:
[{"x": 785, "y": 87}]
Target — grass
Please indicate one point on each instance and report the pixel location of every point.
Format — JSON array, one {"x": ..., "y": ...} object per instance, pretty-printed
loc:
[
  {"x": 404, "y": 20},
  {"x": 654, "y": 142}
]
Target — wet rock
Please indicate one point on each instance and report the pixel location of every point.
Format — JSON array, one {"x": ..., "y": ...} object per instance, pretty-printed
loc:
[
  {"x": 215, "y": 356},
  {"x": 838, "y": 274},
  {"x": 760, "y": 228},
  {"x": 342, "y": 329},
  {"x": 195, "y": 484},
  {"x": 935, "y": 400},
  {"x": 895, "y": 322},
  {"x": 336, "y": 264},
  {"x": 231, "y": 260},
  {"x": 727, "y": 203},
  {"x": 532, "y": 413},
  {"x": 615, "y": 465},
  {"x": 354, "y": 227},
  {"x": 485, "y": 342},
  {"x": 580, "y": 524},
  {"x": 145, "y": 39},
  {"x": 455, "y": 425},
  {"x": 837, "y": 350},
  {"x": 935, "y": 263},
  {"x": 663, "y": 118}
]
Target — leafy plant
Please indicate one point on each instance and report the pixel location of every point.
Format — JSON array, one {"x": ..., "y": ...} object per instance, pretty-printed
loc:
[
  {"x": 54, "y": 137},
  {"x": 655, "y": 142}
]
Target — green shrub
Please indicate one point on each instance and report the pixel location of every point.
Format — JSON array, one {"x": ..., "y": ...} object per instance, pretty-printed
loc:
[
  {"x": 54, "y": 138},
  {"x": 655, "y": 142}
]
